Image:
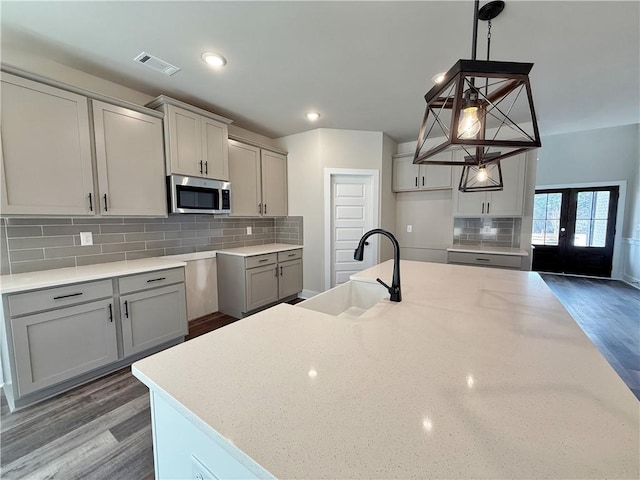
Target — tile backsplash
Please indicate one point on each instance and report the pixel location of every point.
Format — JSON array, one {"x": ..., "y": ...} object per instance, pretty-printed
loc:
[
  {"x": 30, "y": 244},
  {"x": 488, "y": 232}
]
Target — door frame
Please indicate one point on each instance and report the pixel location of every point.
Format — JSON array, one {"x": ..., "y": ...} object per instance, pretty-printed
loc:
[
  {"x": 616, "y": 270},
  {"x": 329, "y": 173}
]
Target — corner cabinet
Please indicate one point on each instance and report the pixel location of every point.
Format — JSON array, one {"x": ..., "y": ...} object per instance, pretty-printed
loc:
[
  {"x": 408, "y": 177},
  {"x": 196, "y": 140},
  {"x": 248, "y": 283},
  {"x": 46, "y": 150},
  {"x": 507, "y": 202},
  {"x": 259, "y": 181}
]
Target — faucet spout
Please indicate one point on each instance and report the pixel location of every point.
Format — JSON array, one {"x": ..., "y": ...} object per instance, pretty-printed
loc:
[{"x": 394, "y": 289}]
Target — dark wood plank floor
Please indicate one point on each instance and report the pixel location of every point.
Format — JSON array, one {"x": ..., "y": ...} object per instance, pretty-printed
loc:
[
  {"x": 609, "y": 313},
  {"x": 101, "y": 430}
]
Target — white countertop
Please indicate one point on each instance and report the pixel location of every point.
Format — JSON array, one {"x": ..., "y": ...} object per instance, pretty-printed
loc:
[
  {"x": 260, "y": 249},
  {"x": 63, "y": 276},
  {"x": 477, "y": 373},
  {"x": 493, "y": 250},
  {"x": 21, "y": 282}
]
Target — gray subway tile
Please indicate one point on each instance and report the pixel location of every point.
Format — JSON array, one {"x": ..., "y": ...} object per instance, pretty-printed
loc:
[
  {"x": 188, "y": 242},
  {"x": 143, "y": 236},
  {"x": 38, "y": 221},
  {"x": 179, "y": 250},
  {"x": 179, "y": 234},
  {"x": 57, "y": 230},
  {"x": 161, "y": 227},
  {"x": 108, "y": 238},
  {"x": 33, "y": 231},
  {"x": 129, "y": 220},
  {"x": 37, "y": 265},
  {"x": 162, "y": 243},
  {"x": 122, "y": 247},
  {"x": 233, "y": 231},
  {"x": 158, "y": 252},
  {"x": 40, "y": 242},
  {"x": 97, "y": 220},
  {"x": 122, "y": 228},
  {"x": 59, "y": 252},
  {"x": 23, "y": 255},
  {"x": 189, "y": 226},
  {"x": 93, "y": 259},
  {"x": 205, "y": 248},
  {"x": 232, "y": 244},
  {"x": 179, "y": 218}
]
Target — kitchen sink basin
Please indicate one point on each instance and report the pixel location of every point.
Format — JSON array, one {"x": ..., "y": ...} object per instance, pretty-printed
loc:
[{"x": 349, "y": 300}]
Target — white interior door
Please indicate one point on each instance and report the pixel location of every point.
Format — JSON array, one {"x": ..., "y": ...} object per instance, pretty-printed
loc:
[{"x": 352, "y": 214}]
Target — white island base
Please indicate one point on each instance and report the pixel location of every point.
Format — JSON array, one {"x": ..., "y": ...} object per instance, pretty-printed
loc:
[{"x": 477, "y": 373}]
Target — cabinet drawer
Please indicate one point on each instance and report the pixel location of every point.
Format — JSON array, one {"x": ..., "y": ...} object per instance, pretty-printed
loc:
[
  {"x": 261, "y": 260},
  {"x": 492, "y": 260},
  {"x": 289, "y": 255},
  {"x": 144, "y": 281},
  {"x": 50, "y": 298}
]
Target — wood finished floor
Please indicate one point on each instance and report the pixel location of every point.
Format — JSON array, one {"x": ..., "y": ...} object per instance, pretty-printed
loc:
[
  {"x": 609, "y": 313},
  {"x": 101, "y": 430}
]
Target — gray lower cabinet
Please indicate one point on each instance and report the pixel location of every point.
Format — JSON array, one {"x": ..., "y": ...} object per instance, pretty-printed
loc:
[
  {"x": 152, "y": 317},
  {"x": 248, "y": 283},
  {"x": 54, "y": 346},
  {"x": 485, "y": 259},
  {"x": 56, "y": 338}
]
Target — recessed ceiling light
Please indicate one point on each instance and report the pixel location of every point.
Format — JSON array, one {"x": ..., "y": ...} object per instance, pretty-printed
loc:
[
  {"x": 438, "y": 77},
  {"x": 312, "y": 116},
  {"x": 214, "y": 59}
]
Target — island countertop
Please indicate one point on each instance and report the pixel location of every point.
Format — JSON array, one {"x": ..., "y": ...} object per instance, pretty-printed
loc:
[{"x": 477, "y": 373}]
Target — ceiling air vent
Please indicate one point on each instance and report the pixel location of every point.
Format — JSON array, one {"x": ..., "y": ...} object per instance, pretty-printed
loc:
[{"x": 156, "y": 63}]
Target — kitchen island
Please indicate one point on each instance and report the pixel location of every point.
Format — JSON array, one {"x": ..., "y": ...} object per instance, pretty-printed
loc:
[{"x": 477, "y": 373}]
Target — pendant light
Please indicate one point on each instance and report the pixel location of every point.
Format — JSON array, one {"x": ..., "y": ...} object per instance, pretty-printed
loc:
[
  {"x": 481, "y": 178},
  {"x": 478, "y": 108}
]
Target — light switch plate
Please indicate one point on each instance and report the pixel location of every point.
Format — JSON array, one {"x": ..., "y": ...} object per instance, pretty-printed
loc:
[
  {"x": 409, "y": 228},
  {"x": 249, "y": 230},
  {"x": 86, "y": 238}
]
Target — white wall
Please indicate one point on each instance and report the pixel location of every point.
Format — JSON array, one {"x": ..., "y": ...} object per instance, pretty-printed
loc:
[
  {"x": 597, "y": 156},
  {"x": 309, "y": 154}
]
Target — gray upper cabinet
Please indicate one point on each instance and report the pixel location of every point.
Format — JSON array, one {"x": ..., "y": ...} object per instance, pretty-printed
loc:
[
  {"x": 258, "y": 181},
  {"x": 46, "y": 150},
  {"x": 196, "y": 140},
  {"x": 408, "y": 177},
  {"x": 130, "y": 161}
]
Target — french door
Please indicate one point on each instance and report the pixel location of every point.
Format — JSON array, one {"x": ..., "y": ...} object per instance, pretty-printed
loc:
[{"x": 573, "y": 230}]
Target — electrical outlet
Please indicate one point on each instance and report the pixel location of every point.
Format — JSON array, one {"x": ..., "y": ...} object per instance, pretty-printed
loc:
[
  {"x": 486, "y": 230},
  {"x": 86, "y": 238},
  {"x": 409, "y": 228},
  {"x": 249, "y": 230}
]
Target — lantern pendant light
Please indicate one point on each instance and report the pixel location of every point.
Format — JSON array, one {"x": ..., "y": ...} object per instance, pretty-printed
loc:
[{"x": 478, "y": 108}]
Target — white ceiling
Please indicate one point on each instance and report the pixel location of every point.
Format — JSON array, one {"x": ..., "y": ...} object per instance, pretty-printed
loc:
[{"x": 363, "y": 65}]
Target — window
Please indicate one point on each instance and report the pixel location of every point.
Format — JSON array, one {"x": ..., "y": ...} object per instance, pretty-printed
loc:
[
  {"x": 546, "y": 218},
  {"x": 592, "y": 212}
]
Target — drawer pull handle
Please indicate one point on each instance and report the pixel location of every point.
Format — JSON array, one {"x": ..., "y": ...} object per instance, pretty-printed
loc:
[
  {"x": 126, "y": 308},
  {"x": 292, "y": 255},
  {"x": 483, "y": 259},
  {"x": 67, "y": 296},
  {"x": 156, "y": 279},
  {"x": 110, "y": 314},
  {"x": 263, "y": 260}
]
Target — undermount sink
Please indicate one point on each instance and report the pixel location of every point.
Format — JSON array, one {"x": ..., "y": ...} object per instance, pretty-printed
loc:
[{"x": 349, "y": 300}]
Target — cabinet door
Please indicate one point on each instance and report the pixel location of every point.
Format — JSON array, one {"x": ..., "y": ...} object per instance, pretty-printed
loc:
[
  {"x": 244, "y": 175},
  {"x": 509, "y": 201},
  {"x": 54, "y": 346},
  {"x": 215, "y": 149},
  {"x": 185, "y": 142},
  {"x": 467, "y": 203},
  {"x": 262, "y": 286},
  {"x": 290, "y": 280},
  {"x": 152, "y": 317},
  {"x": 274, "y": 184},
  {"x": 130, "y": 161},
  {"x": 435, "y": 177},
  {"x": 405, "y": 174},
  {"x": 46, "y": 150}
]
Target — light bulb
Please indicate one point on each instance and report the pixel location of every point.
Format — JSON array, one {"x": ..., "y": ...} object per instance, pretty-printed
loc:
[
  {"x": 482, "y": 174},
  {"x": 469, "y": 124}
]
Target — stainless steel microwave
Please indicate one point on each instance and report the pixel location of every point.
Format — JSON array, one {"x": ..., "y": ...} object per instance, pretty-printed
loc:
[{"x": 198, "y": 195}]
